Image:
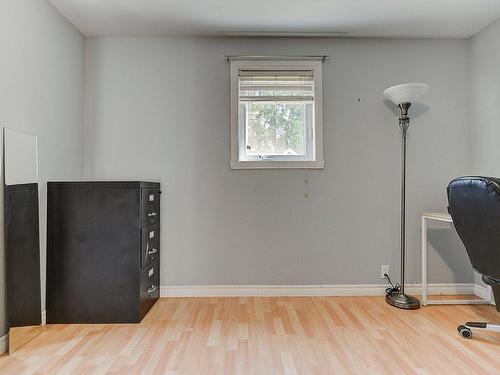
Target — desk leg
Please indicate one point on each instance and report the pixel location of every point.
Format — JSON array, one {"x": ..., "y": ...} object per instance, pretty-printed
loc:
[{"x": 424, "y": 261}]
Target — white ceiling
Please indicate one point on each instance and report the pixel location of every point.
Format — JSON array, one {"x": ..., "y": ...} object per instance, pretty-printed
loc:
[{"x": 368, "y": 18}]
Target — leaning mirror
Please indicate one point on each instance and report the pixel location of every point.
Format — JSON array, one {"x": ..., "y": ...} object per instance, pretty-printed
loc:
[{"x": 21, "y": 237}]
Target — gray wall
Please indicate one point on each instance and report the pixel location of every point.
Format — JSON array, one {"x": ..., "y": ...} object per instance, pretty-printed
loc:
[
  {"x": 158, "y": 108},
  {"x": 484, "y": 49},
  {"x": 484, "y": 84},
  {"x": 41, "y": 80}
]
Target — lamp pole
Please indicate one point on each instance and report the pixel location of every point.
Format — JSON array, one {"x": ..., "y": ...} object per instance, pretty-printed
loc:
[
  {"x": 400, "y": 299},
  {"x": 404, "y": 123}
]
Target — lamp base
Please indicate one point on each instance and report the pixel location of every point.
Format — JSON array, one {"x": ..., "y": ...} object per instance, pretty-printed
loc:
[{"x": 402, "y": 301}]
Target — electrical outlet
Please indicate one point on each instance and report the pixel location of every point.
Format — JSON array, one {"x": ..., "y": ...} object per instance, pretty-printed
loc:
[{"x": 384, "y": 269}]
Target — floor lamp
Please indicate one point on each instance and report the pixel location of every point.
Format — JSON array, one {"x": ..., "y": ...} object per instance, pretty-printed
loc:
[{"x": 402, "y": 96}]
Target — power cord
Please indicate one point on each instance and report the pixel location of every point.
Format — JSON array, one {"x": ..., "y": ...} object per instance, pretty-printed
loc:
[{"x": 393, "y": 289}]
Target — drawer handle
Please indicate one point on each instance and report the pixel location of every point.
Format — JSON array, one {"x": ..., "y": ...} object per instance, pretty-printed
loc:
[
  {"x": 152, "y": 251},
  {"x": 151, "y": 289},
  {"x": 152, "y": 214}
]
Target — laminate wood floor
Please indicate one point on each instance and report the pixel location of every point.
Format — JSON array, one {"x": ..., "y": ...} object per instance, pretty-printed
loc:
[{"x": 310, "y": 335}]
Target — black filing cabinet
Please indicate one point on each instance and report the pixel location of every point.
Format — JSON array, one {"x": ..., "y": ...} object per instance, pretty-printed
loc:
[{"x": 103, "y": 251}]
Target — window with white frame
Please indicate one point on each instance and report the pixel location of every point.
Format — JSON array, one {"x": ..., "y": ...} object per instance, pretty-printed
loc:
[{"x": 276, "y": 114}]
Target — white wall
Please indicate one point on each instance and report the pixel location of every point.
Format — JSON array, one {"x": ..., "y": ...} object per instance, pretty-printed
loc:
[
  {"x": 158, "y": 108},
  {"x": 484, "y": 86},
  {"x": 41, "y": 81}
]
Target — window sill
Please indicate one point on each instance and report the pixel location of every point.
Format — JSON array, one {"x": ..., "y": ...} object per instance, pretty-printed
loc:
[{"x": 277, "y": 164}]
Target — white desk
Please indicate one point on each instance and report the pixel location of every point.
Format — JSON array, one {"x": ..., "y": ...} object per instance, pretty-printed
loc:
[{"x": 443, "y": 217}]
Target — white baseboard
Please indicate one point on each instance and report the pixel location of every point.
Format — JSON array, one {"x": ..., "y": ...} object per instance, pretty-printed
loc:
[
  {"x": 305, "y": 290},
  {"x": 484, "y": 291}
]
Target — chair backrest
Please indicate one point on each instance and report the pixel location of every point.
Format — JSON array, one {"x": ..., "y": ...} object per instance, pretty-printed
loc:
[{"x": 474, "y": 205}]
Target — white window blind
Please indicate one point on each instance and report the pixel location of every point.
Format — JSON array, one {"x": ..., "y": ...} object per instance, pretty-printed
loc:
[{"x": 279, "y": 85}]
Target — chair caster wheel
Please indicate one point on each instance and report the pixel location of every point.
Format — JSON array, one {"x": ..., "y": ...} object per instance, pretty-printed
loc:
[{"x": 465, "y": 332}]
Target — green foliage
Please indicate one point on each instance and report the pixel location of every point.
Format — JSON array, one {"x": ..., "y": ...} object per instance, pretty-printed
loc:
[{"x": 276, "y": 128}]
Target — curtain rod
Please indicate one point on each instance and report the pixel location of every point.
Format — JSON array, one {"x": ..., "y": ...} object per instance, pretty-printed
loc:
[{"x": 277, "y": 57}]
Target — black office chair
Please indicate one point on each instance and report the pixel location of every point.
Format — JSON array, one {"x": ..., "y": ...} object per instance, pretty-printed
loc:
[{"x": 474, "y": 205}]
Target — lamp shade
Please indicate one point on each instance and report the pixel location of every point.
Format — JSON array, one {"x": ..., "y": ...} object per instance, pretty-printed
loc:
[{"x": 405, "y": 93}]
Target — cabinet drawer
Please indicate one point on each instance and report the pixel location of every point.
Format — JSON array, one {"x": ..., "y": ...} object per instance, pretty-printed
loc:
[
  {"x": 150, "y": 244},
  {"x": 150, "y": 206},
  {"x": 150, "y": 288}
]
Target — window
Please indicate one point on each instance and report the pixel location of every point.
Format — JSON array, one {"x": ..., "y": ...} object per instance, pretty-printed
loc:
[{"x": 276, "y": 114}]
